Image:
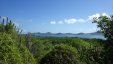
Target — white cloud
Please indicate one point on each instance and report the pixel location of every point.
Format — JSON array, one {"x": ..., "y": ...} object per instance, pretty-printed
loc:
[
  {"x": 105, "y": 14},
  {"x": 70, "y": 21},
  {"x": 60, "y": 22},
  {"x": 90, "y": 18},
  {"x": 53, "y": 22},
  {"x": 79, "y": 20},
  {"x": 74, "y": 20}
]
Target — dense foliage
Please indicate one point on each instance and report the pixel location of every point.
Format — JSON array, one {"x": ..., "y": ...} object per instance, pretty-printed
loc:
[
  {"x": 61, "y": 54},
  {"x": 12, "y": 51},
  {"x": 86, "y": 51},
  {"x": 9, "y": 53},
  {"x": 18, "y": 48},
  {"x": 105, "y": 23}
]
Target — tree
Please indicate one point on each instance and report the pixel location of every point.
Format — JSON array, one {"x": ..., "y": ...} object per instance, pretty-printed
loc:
[{"x": 105, "y": 24}]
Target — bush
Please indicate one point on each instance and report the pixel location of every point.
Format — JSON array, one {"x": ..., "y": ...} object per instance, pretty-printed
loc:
[
  {"x": 26, "y": 56},
  {"x": 9, "y": 53},
  {"x": 61, "y": 54}
]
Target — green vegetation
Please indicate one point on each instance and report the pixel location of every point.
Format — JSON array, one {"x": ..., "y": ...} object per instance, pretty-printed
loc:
[
  {"x": 12, "y": 50},
  {"x": 106, "y": 25},
  {"x": 85, "y": 51},
  {"x": 61, "y": 54},
  {"x": 9, "y": 52},
  {"x": 17, "y": 48}
]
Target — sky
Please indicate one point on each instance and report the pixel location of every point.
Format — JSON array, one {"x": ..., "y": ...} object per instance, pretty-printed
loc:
[{"x": 65, "y": 16}]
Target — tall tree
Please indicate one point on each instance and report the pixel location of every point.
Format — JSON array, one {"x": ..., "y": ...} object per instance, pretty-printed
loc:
[{"x": 106, "y": 27}]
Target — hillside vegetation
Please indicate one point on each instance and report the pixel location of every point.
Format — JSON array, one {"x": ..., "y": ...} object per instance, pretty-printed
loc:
[
  {"x": 12, "y": 50},
  {"x": 18, "y": 48}
]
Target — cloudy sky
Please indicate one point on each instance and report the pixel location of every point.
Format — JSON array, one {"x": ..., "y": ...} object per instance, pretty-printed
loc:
[{"x": 66, "y": 16}]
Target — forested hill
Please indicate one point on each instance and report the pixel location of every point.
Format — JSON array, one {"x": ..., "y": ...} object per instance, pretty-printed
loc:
[{"x": 16, "y": 48}]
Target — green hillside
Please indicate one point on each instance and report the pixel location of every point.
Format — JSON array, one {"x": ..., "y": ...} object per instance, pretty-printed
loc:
[{"x": 18, "y": 48}]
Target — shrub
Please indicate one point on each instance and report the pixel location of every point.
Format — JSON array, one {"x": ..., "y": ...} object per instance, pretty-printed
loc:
[
  {"x": 61, "y": 54},
  {"x": 26, "y": 56},
  {"x": 9, "y": 53}
]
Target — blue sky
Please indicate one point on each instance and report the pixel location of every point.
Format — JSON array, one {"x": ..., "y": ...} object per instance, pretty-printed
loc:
[{"x": 66, "y": 16}]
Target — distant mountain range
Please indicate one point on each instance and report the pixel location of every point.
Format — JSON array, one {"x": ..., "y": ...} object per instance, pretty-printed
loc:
[
  {"x": 53, "y": 34},
  {"x": 97, "y": 35}
]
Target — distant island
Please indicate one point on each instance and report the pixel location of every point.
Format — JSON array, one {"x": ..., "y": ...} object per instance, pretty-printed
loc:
[{"x": 97, "y": 35}]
